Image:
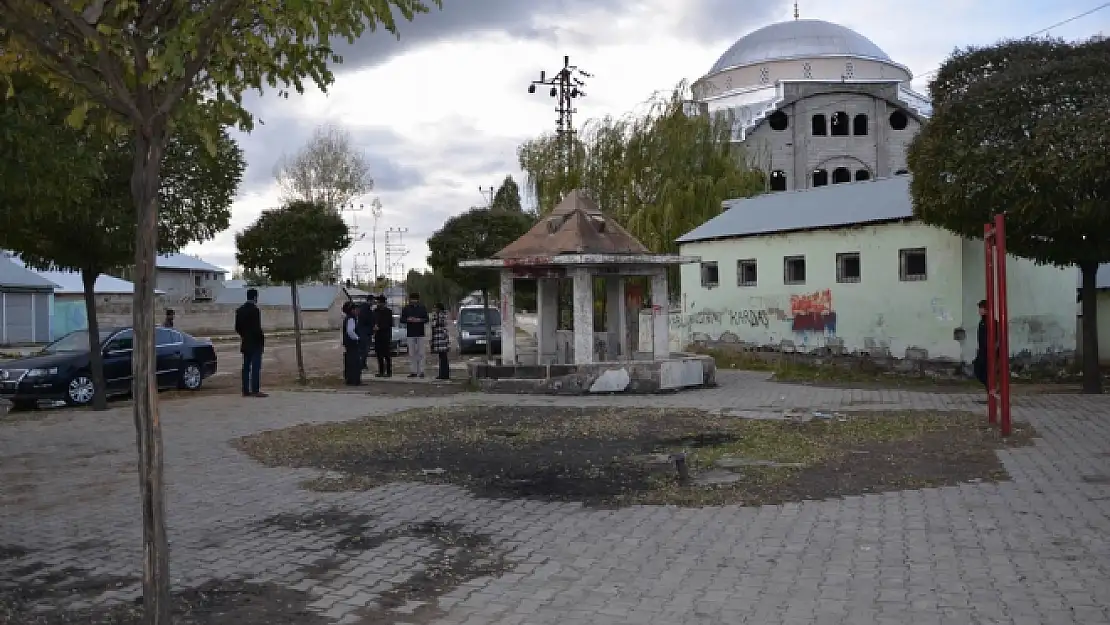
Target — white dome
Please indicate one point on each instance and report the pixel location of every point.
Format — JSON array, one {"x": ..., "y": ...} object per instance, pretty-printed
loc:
[{"x": 798, "y": 39}]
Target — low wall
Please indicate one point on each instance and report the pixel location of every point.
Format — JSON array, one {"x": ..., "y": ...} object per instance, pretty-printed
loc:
[
  {"x": 679, "y": 372},
  {"x": 213, "y": 319}
]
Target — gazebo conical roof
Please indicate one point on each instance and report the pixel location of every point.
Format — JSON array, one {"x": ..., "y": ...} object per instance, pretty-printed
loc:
[{"x": 575, "y": 226}]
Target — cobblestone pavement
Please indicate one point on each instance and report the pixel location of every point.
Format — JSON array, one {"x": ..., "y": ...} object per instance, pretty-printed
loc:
[{"x": 1031, "y": 551}]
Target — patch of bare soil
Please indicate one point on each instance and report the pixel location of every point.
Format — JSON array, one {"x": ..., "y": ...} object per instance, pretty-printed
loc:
[{"x": 620, "y": 456}]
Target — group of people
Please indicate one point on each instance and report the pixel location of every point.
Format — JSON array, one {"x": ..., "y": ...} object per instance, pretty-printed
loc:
[{"x": 365, "y": 325}]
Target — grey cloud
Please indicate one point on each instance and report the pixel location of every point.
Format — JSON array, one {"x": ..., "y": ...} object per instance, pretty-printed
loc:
[
  {"x": 726, "y": 21},
  {"x": 460, "y": 19}
]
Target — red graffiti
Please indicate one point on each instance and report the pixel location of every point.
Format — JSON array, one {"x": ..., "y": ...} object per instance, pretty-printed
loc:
[
  {"x": 816, "y": 303},
  {"x": 814, "y": 322}
]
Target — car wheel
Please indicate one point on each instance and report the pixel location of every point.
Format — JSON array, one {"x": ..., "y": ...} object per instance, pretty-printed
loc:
[
  {"x": 191, "y": 377},
  {"x": 80, "y": 390}
]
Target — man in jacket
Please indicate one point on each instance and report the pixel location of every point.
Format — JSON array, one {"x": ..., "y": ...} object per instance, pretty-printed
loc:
[
  {"x": 415, "y": 316},
  {"x": 352, "y": 346},
  {"x": 979, "y": 365},
  {"x": 365, "y": 330},
  {"x": 252, "y": 341},
  {"x": 383, "y": 338}
]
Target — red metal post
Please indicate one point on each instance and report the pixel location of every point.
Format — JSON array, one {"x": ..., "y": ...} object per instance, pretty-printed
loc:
[
  {"x": 988, "y": 241},
  {"x": 1003, "y": 324}
]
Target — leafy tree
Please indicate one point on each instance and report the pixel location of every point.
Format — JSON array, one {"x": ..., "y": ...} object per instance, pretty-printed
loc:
[
  {"x": 507, "y": 196},
  {"x": 1019, "y": 128},
  {"x": 476, "y": 234},
  {"x": 291, "y": 245},
  {"x": 660, "y": 174},
  {"x": 153, "y": 66},
  {"x": 251, "y": 277},
  {"x": 82, "y": 220},
  {"x": 434, "y": 288},
  {"x": 328, "y": 169}
]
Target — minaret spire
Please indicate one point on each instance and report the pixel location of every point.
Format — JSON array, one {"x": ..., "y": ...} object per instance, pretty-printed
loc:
[{"x": 795, "y": 10}]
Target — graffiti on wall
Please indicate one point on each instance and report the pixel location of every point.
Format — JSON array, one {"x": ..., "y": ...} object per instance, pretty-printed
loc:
[
  {"x": 744, "y": 317},
  {"x": 813, "y": 312}
]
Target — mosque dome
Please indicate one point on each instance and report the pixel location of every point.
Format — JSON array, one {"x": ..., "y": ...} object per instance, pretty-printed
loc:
[{"x": 798, "y": 39}]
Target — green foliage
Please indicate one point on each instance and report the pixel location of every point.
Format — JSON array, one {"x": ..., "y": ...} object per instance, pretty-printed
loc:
[
  {"x": 434, "y": 288},
  {"x": 290, "y": 244},
  {"x": 476, "y": 234},
  {"x": 507, "y": 196},
  {"x": 66, "y": 192},
  {"x": 660, "y": 174},
  {"x": 251, "y": 277},
  {"x": 1020, "y": 128}
]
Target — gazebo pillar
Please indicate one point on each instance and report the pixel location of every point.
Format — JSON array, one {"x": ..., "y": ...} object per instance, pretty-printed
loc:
[
  {"x": 583, "y": 316},
  {"x": 615, "y": 318},
  {"x": 547, "y": 321},
  {"x": 508, "y": 319},
  {"x": 660, "y": 315}
]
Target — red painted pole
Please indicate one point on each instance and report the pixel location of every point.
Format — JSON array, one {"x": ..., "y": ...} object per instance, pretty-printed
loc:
[
  {"x": 988, "y": 240},
  {"x": 1003, "y": 325}
]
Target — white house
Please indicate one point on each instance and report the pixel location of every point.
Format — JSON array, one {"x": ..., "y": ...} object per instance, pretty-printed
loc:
[
  {"x": 186, "y": 278},
  {"x": 846, "y": 268}
]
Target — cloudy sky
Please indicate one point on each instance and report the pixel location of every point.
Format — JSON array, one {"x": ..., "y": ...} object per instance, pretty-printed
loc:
[{"x": 441, "y": 111}]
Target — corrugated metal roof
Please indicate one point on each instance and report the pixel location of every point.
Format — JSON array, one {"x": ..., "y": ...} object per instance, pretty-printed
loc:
[
  {"x": 14, "y": 275},
  {"x": 185, "y": 262},
  {"x": 884, "y": 199},
  {"x": 312, "y": 297},
  {"x": 69, "y": 282}
]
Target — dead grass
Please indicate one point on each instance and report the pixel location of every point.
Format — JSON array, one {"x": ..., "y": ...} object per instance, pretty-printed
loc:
[{"x": 615, "y": 457}]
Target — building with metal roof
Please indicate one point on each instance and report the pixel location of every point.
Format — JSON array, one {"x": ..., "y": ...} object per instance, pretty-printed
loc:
[
  {"x": 26, "y": 301},
  {"x": 814, "y": 103},
  {"x": 847, "y": 269}
]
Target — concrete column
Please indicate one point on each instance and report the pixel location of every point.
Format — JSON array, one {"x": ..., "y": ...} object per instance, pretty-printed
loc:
[
  {"x": 547, "y": 320},
  {"x": 508, "y": 320},
  {"x": 583, "y": 317},
  {"x": 615, "y": 323},
  {"x": 660, "y": 313}
]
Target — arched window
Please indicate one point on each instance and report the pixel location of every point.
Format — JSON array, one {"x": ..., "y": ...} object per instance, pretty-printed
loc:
[
  {"x": 862, "y": 175},
  {"x": 820, "y": 177},
  {"x": 778, "y": 121},
  {"x": 898, "y": 120},
  {"x": 778, "y": 180},
  {"x": 859, "y": 125},
  {"x": 819, "y": 125},
  {"x": 840, "y": 124},
  {"x": 841, "y": 175}
]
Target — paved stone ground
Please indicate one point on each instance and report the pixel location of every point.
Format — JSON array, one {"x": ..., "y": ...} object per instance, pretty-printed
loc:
[{"x": 1031, "y": 551}]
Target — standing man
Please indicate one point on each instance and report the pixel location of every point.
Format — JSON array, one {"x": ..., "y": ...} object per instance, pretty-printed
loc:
[
  {"x": 252, "y": 341},
  {"x": 352, "y": 346},
  {"x": 415, "y": 317},
  {"x": 169, "y": 318},
  {"x": 365, "y": 331},
  {"x": 383, "y": 338},
  {"x": 979, "y": 365}
]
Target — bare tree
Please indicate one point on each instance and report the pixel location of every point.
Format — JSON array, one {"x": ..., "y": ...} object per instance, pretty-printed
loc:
[{"x": 327, "y": 170}]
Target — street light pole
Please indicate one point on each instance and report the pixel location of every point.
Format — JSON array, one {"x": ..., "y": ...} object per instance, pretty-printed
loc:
[
  {"x": 376, "y": 213},
  {"x": 565, "y": 86}
]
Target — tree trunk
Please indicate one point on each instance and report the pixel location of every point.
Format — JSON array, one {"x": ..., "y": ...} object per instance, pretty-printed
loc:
[
  {"x": 489, "y": 332},
  {"x": 1092, "y": 376},
  {"x": 297, "y": 332},
  {"x": 150, "y": 143},
  {"x": 96, "y": 351}
]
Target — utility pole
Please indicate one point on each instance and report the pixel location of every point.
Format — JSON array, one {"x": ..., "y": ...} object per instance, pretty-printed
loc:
[
  {"x": 565, "y": 87},
  {"x": 376, "y": 213},
  {"x": 488, "y": 198},
  {"x": 337, "y": 261},
  {"x": 395, "y": 252}
]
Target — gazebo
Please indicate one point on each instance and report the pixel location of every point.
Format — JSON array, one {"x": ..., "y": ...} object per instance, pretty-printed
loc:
[{"x": 576, "y": 241}]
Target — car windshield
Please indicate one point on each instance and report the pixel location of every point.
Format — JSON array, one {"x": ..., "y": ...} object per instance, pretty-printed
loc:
[
  {"x": 73, "y": 342},
  {"x": 473, "y": 317}
]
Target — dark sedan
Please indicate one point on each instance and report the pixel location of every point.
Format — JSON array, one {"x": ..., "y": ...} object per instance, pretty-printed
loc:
[{"x": 61, "y": 371}]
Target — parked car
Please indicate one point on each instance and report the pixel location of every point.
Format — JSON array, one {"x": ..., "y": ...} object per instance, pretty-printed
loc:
[
  {"x": 471, "y": 326},
  {"x": 60, "y": 372}
]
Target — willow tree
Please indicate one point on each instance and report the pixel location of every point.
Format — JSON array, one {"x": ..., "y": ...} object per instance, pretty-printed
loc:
[
  {"x": 660, "y": 174},
  {"x": 1020, "y": 128},
  {"x": 154, "y": 66}
]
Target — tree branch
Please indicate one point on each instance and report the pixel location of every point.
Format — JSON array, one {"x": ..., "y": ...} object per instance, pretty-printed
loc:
[{"x": 206, "y": 40}]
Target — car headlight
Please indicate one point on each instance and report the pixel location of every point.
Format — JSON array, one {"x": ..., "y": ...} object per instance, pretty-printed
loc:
[
  {"x": 42, "y": 373},
  {"x": 465, "y": 334}
]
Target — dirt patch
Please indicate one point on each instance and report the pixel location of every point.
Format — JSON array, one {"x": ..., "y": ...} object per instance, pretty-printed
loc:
[
  {"x": 211, "y": 604},
  {"x": 620, "y": 456},
  {"x": 454, "y": 556}
]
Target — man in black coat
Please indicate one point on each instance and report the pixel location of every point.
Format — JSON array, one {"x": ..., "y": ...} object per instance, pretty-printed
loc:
[
  {"x": 252, "y": 341},
  {"x": 352, "y": 346},
  {"x": 415, "y": 318},
  {"x": 383, "y": 338},
  {"x": 365, "y": 330},
  {"x": 979, "y": 365}
]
